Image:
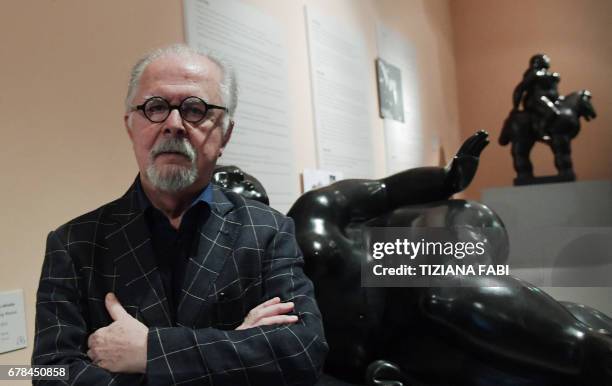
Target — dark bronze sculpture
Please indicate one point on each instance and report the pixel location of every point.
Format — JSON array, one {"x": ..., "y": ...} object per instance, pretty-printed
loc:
[
  {"x": 546, "y": 117},
  {"x": 509, "y": 334},
  {"x": 232, "y": 177}
]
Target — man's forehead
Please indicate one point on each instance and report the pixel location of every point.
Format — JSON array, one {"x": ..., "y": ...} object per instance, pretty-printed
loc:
[{"x": 181, "y": 71}]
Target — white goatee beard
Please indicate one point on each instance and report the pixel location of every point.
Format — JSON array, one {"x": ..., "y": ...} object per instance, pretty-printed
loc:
[{"x": 172, "y": 178}]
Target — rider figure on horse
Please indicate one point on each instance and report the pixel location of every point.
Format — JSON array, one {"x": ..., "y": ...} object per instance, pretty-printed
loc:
[
  {"x": 538, "y": 92},
  {"x": 545, "y": 117}
]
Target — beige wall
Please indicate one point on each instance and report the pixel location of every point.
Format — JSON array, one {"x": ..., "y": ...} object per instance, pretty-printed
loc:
[
  {"x": 64, "y": 70},
  {"x": 64, "y": 67},
  {"x": 494, "y": 40}
]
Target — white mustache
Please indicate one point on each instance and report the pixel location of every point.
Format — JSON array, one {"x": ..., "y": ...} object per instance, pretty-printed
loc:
[{"x": 174, "y": 145}]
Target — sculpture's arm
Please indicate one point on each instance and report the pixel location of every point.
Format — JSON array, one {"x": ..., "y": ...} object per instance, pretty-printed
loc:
[
  {"x": 521, "y": 88},
  {"x": 427, "y": 184},
  {"x": 416, "y": 186},
  {"x": 360, "y": 200}
]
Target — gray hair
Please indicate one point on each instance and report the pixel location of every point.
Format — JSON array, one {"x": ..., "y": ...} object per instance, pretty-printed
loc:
[{"x": 228, "y": 87}]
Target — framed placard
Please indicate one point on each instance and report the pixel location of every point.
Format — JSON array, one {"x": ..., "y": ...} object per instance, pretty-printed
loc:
[
  {"x": 390, "y": 95},
  {"x": 13, "y": 334}
]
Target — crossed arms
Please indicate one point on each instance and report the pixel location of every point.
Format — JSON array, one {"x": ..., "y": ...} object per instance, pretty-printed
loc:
[{"x": 269, "y": 347}]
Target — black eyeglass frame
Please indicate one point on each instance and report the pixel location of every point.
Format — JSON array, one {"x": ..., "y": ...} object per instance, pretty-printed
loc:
[{"x": 207, "y": 107}]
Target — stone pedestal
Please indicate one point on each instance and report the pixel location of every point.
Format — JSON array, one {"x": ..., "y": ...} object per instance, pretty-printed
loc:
[{"x": 567, "y": 226}]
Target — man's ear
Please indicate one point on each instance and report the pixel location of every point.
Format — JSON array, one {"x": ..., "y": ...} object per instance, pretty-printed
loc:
[
  {"x": 127, "y": 122},
  {"x": 228, "y": 134}
]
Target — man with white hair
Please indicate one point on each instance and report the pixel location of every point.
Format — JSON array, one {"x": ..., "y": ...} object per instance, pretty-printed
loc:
[{"x": 178, "y": 281}]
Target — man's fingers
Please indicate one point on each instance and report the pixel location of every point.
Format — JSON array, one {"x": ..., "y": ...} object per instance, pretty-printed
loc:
[
  {"x": 269, "y": 309},
  {"x": 95, "y": 359},
  {"x": 277, "y": 319},
  {"x": 269, "y": 302},
  {"x": 275, "y": 309},
  {"x": 114, "y": 308},
  {"x": 93, "y": 338}
]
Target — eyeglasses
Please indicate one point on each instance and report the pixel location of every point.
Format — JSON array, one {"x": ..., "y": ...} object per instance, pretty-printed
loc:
[{"x": 192, "y": 109}]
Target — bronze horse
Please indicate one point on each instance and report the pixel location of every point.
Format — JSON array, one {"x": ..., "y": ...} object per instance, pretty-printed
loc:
[{"x": 518, "y": 129}]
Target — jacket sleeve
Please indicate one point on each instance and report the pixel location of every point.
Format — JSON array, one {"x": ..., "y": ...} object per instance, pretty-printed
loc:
[
  {"x": 268, "y": 355},
  {"x": 61, "y": 330}
]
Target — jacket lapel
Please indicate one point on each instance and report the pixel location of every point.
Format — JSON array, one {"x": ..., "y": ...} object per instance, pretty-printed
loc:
[
  {"x": 216, "y": 244},
  {"x": 139, "y": 286}
]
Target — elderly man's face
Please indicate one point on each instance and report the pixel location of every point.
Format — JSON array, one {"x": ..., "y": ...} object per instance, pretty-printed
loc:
[{"x": 174, "y": 155}]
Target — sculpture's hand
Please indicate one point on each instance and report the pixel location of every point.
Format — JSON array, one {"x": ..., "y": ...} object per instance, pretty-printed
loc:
[
  {"x": 268, "y": 313},
  {"x": 462, "y": 168}
]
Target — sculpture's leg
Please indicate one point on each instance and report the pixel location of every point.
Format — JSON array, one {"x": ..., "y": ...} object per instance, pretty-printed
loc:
[
  {"x": 563, "y": 155},
  {"x": 517, "y": 326},
  {"x": 520, "y": 156},
  {"x": 546, "y": 111},
  {"x": 509, "y": 334},
  {"x": 512, "y": 334}
]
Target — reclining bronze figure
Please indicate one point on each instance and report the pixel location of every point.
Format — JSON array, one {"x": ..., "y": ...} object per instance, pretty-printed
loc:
[{"x": 506, "y": 333}]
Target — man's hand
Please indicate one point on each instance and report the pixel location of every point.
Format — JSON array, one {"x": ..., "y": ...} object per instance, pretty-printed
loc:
[
  {"x": 120, "y": 347},
  {"x": 267, "y": 313}
]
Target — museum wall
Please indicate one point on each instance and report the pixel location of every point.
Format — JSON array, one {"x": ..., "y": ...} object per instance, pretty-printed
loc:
[
  {"x": 493, "y": 41},
  {"x": 64, "y": 71}
]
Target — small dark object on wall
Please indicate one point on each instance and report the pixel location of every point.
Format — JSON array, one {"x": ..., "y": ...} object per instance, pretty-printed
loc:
[{"x": 390, "y": 94}]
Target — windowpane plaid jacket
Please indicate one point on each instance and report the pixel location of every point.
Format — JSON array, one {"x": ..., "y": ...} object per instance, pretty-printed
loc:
[{"x": 247, "y": 253}]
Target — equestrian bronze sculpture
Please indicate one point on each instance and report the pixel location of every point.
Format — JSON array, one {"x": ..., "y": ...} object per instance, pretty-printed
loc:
[{"x": 545, "y": 117}]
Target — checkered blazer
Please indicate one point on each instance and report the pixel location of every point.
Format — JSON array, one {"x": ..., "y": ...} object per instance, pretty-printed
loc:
[{"x": 247, "y": 253}]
